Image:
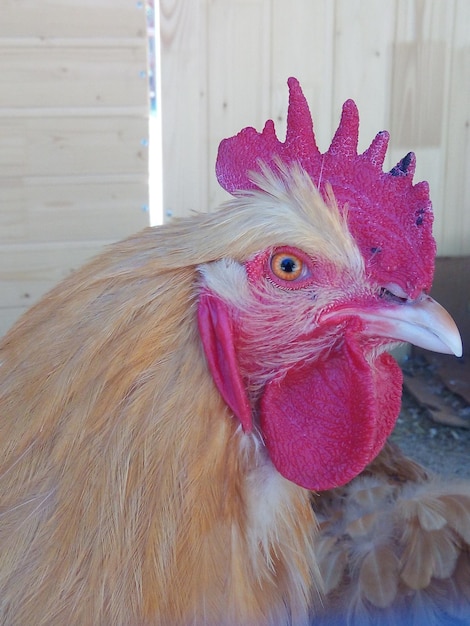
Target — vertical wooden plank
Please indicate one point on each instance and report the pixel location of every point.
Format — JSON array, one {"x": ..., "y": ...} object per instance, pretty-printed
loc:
[
  {"x": 239, "y": 73},
  {"x": 419, "y": 81},
  {"x": 226, "y": 63},
  {"x": 455, "y": 228},
  {"x": 420, "y": 87},
  {"x": 362, "y": 61},
  {"x": 184, "y": 106},
  {"x": 302, "y": 46}
]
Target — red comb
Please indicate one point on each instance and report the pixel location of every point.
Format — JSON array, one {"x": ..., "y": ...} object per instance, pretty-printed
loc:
[{"x": 390, "y": 218}]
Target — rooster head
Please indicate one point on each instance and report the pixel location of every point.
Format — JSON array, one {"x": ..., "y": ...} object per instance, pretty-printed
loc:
[{"x": 297, "y": 332}]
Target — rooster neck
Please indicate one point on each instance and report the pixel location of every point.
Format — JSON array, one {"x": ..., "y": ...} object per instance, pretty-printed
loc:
[
  {"x": 237, "y": 537},
  {"x": 245, "y": 541},
  {"x": 269, "y": 499}
]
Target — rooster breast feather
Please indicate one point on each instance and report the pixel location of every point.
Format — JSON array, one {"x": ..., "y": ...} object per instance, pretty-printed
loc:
[{"x": 183, "y": 419}]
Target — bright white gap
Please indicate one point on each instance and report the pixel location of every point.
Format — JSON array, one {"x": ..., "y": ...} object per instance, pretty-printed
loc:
[{"x": 155, "y": 117}]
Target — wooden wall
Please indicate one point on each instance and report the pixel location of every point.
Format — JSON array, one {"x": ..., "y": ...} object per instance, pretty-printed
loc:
[
  {"x": 405, "y": 62},
  {"x": 74, "y": 109},
  {"x": 73, "y": 138}
]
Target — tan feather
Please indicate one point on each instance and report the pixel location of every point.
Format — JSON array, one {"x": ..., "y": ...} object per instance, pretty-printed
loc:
[
  {"x": 457, "y": 512},
  {"x": 378, "y": 576},
  {"x": 363, "y": 525},
  {"x": 445, "y": 553},
  {"x": 366, "y": 493},
  {"x": 427, "y": 554},
  {"x": 405, "y": 559},
  {"x": 429, "y": 511},
  {"x": 332, "y": 556}
]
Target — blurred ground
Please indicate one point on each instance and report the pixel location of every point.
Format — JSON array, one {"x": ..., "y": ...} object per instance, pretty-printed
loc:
[{"x": 434, "y": 423}]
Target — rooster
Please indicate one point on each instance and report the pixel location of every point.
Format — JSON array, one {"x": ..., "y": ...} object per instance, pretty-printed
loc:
[{"x": 194, "y": 425}]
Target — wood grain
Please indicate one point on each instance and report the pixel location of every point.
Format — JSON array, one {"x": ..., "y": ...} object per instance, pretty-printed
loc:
[
  {"x": 81, "y": 76},
  {"x": 73, "y": 138},
  {"x": 183, "y": 36},
  {"x": 454, "y": 233},
  {"x": 41, "y": 146},
  {"x": 72, "y": 208},
  {"x": 405, "y": 62},
  {"x": 72, "y": 18}
]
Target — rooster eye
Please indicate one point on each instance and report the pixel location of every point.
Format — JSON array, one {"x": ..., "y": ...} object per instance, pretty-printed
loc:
[{"x": 286, "y": 266}]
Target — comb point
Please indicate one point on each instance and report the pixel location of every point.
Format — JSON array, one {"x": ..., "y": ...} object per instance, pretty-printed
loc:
[
  {"x": 406, "y": 166},
  {"x": 347, "y": 135},
  {"x": 377, "y": 150},
  {"x": 299, "y": 121}
]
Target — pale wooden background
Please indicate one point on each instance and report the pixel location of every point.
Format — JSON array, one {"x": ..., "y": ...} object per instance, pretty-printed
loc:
[
  {"x": 73, "y": 129},
  {"x": 73, "y": 110},
  {"x": 405, "y": 62}
]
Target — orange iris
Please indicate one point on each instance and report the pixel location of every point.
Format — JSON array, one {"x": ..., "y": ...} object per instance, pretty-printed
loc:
[{"x": 286, "y": 266}]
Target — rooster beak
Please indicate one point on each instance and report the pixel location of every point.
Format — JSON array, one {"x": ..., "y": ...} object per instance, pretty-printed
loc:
[{"x": 422, "y": 322}]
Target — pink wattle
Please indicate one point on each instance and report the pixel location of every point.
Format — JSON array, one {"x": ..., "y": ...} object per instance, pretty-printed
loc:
[{"x": 323, "y": 422}]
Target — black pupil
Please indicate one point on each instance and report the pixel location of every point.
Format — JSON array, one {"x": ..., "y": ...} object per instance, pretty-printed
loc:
[{"x": 288, "y": 265}]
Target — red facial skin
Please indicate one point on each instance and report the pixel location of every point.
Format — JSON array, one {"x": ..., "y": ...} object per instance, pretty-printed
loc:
[{"x": 326, "y": 399}]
